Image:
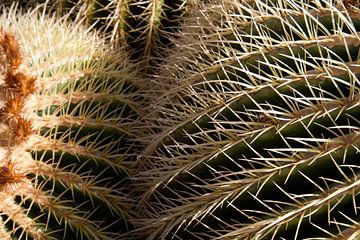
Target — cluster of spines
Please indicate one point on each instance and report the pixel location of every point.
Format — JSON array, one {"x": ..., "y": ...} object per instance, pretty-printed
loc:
[{"x": 258, "y": 137}]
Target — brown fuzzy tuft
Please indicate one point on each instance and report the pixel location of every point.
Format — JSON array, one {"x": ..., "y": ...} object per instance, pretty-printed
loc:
[
  {"x": 13, "y": 107},
  {"x": 21, "y": 129},
  {"x": 8, "y": 175},
  {"x": 20, "y": 83}
]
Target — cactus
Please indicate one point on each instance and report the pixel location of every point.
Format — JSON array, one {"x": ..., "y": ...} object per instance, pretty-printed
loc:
[
  {"x": 68, "y": 114},
  {"x": 255, "y": 134},
  {"x": 144, "y": 27}
]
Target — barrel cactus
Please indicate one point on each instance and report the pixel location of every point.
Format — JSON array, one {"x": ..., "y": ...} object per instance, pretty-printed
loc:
[
  {"x": 68, "y": 112},
  {"x": 255, "y": 125}
]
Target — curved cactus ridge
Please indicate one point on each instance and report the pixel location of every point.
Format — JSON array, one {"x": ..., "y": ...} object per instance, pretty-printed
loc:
[
  {"x": 144, "y": 27},
  {"x": 256, "y": 133},
  {"x": 67, "y": 122}
]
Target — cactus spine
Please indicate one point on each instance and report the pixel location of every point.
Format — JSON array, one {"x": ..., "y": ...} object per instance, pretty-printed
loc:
[
  {"x": 67, "y": 122},
  {"x": 256, "y": 134}
]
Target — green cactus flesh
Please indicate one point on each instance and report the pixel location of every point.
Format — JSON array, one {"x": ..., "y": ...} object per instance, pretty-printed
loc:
[
  {"x": 257, "y": 136},
  {"x": 67, "y": 124}
]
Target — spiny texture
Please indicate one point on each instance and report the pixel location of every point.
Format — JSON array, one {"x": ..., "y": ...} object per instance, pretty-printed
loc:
[
  {"x": 256, "y": 131},
  {"x": 144, "y": 27},
  {"x": 67, "y": 124}
]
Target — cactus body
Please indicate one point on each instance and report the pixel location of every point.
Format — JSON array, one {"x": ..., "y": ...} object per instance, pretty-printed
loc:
[
  {"x": 256, "y": 135},
  {"x": 67, "y": 117}
]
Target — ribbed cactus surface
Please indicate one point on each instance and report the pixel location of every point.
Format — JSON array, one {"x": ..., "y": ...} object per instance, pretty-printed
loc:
[
  {"x": 67, "y": 123},
  {"x": 256, "y": 131}
]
